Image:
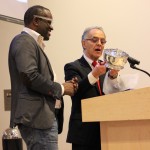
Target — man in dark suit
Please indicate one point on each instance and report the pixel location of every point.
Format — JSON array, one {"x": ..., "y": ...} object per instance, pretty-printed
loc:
[
  {"x": 92, "y": 79},
  {"x": 37, "y": 103}
]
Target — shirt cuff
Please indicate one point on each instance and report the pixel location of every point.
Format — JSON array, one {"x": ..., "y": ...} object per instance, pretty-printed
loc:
[
  {"x": 92, "y": 79},
  {"x": 62, "y": 87}
]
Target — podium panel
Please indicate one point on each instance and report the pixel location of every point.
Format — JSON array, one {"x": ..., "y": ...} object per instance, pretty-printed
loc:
[
  {"x": 125, "y": 135},
  {"x": 124, "y": 119}
]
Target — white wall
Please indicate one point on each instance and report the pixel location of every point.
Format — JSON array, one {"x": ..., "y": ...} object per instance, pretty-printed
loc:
[
  {"x": 13, "y": 8},
  {"x": 126, "y": 24}
]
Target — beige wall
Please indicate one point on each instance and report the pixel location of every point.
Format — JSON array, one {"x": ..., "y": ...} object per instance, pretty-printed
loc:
[
  {"x": 13, "y": 8},
  {"x": 126, "y": 24}
]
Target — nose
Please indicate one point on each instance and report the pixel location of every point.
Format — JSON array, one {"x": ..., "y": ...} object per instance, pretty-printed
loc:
[
  {"x": 51, "y": 27},
  {"x": 99, "y": 42}
]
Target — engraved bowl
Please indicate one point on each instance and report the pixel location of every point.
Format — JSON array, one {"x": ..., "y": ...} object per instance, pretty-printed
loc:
[{"x": 115, "y": 58}]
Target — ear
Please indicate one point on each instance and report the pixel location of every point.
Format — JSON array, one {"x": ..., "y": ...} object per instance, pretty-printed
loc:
[
  {"x": 83, "y": 44},
  {"x": 35, "y": 21}
]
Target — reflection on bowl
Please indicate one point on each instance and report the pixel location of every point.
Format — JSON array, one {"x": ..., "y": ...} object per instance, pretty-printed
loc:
[
  {"x": 115, "y": 58},
  {"x": 11, "y": 133}
]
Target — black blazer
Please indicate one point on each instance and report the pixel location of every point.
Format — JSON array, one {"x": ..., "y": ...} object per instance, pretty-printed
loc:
[
  {"x": 33, "y": 90},
  {"x": 79, "y": 132}
]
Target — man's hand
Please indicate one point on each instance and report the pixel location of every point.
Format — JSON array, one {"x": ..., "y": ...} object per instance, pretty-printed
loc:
[
  {"x": 71, "y": 86},
  {"x": 99, "y": 69}
]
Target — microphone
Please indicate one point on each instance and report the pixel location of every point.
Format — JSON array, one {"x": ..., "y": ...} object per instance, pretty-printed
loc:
[{"x": 133, "y": 61}]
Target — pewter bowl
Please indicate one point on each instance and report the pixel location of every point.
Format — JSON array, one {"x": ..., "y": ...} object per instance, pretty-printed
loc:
[{"x": 115, "y": 58}]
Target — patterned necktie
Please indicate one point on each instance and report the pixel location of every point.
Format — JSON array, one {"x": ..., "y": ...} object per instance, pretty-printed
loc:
[{"x": 94, "y": 63}]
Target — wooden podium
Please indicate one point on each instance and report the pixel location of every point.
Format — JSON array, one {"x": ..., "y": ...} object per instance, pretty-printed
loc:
[{"x": 124, "y": 119}]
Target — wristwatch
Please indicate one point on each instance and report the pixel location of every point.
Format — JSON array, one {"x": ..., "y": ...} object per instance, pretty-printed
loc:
[{"x": 112, "y": 77}]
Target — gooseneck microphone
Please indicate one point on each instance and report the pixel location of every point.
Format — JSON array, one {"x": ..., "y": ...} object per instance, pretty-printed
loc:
[{"x": 133, "y": 61}]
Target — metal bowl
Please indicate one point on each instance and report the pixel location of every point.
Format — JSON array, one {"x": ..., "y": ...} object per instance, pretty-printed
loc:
[
  {"x": 11, "y": 133},
  {"x": 115, "y": 58}
]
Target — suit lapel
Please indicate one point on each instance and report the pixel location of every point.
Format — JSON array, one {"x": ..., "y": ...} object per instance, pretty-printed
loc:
[
  {"x": 48, "y": 63},
  {"x": 85, "y": 65}
]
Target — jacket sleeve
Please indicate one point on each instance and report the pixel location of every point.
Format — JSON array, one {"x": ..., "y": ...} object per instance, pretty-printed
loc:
[{"x": 75, "y": 70}]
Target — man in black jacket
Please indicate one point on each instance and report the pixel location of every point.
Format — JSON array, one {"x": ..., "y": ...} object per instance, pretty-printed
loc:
[{"x": 93, "y": 78}]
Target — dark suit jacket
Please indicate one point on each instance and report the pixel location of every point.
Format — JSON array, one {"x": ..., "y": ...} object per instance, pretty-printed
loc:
[
  {"x": 79, "y": 132},
  {"x": 33, "y": 90}
]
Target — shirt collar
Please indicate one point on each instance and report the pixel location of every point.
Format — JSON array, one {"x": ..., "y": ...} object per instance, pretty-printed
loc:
[
  {"x": 37, "y": 37},
  {"x": 88, "y": 60}
]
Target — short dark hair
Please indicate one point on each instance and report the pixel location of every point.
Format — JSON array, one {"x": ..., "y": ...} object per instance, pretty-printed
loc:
[{"x": 34, "y": 10}]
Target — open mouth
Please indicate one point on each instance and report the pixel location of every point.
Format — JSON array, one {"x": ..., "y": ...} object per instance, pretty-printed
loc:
[
  {"x": 49, "y": 33},
  {"x": 98, "y": 50}
]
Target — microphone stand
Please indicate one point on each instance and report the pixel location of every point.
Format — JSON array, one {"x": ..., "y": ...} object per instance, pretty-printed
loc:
[{"x": 134, "y": 67}]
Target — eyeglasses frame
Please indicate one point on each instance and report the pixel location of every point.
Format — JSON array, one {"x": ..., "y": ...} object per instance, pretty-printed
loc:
[{"x": 91, "y": 39}]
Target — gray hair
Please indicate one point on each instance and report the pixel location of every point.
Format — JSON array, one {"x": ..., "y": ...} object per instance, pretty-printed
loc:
[{"x": 86, "y": 31}]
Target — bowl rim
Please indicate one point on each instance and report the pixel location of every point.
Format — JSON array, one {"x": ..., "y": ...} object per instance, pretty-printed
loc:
[{"x": 106, "y": 51}]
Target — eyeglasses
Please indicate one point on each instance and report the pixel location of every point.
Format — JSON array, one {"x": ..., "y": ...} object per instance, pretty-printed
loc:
[
  {"x": 96, "y": 40},
  {"x": 49, "y": 21},
  {"x": 45, "y": 18}
]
